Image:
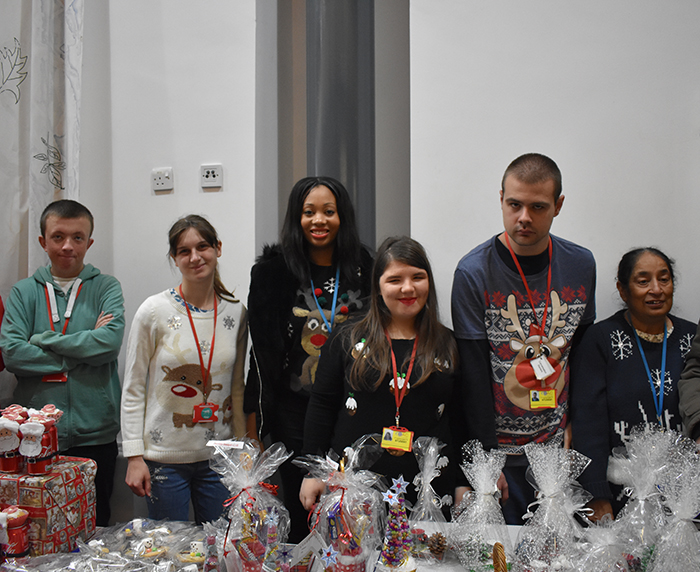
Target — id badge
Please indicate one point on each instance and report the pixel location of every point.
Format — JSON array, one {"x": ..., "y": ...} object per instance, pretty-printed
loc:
[
  {"x": 397, "y": 440},
  {"x": 541, "y": 366},
  {"x": 205, "y": 413},
  {"x": 55, "y": 377},
  {"x": 543, "y": 398}
]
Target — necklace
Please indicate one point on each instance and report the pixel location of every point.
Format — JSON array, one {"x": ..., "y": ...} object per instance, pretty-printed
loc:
[{"x": 653, "y": 338}]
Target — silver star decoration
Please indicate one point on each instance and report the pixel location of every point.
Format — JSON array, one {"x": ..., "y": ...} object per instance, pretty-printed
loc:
[
  {"x": 204, "y": 345},
  {"x": 174, "y": 322},
  {"x": 330, "y": 556},
  {"x": 400, "y": 485},
  {"x": 390, "y": 497}
]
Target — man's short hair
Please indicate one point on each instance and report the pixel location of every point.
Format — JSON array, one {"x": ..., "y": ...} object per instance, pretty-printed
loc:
[
  {"x": 534, "y": 168},
  {"x": 65, "y": 208}
]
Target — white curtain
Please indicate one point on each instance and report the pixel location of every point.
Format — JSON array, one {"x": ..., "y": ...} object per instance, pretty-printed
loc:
[{"x": 41, "y": 53}]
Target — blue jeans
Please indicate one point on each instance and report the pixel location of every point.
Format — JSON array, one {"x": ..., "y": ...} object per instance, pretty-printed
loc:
[{"x": 174, "y": 485}]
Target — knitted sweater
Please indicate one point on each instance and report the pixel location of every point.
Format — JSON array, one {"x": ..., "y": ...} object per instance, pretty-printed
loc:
[
  {"x": 610, "y": 391},
  {"x": 163, "y": 380}
]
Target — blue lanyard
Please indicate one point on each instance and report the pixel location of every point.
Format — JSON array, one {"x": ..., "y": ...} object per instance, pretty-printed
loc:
[
  {"x": 335, "y": 300},
  {"x": 658, "y": 400}
]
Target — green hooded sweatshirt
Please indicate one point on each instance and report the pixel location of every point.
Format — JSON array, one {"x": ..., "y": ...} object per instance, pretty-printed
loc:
[{"x": 90, "y": 397}]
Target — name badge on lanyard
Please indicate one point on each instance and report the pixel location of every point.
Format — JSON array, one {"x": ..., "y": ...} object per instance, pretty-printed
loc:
[
  {"x": 52, "y": 307},
  {"x": 398, "y": 440},
  {"x": 203, "y": 412}
]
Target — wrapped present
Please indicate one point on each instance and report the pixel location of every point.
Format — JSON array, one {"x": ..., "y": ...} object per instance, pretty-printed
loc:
[
  {"x": 61, "y": 504},
  {"x": 602, "y": 548},
  {"x": 258, "y": 519},
  {"x": 639, "y": 466},
  {"x": 348, "y": 516},
  {"x": 427, "y": 521},
  {"x": 678, "y": 547},
  {"x": 548, "y": 540},
  {"x": 478, "y": 519}
]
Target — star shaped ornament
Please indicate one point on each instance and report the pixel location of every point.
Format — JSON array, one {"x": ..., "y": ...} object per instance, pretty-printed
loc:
[
  {"x": 400, "y": 486},
  {"x": 390, "y": 497},
  {"x": 330, "y": 556}
]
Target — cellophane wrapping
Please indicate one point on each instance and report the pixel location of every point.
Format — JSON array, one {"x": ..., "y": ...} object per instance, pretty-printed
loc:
[
  {"x": 141, "y": 545},
  {"x": 678, "y": 548},
  {"x": 427, "y": 521},
  {"x": 639, "y": 466},
  {"x": 478, "y": 521},
  {"x": 350, "y": 514},
  {"x": 259, "y": 522},
  {"x": 548, "y": 539},
  {"x": 602, "y": 549}
]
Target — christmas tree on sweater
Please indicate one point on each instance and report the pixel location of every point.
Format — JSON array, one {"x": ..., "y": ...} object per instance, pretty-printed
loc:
[{"x": 396, "y": 551}]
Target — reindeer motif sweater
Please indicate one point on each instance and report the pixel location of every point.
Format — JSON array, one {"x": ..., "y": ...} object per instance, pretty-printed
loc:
[
  {"x": 490, "y": 304},
  {"x": 163, "y": 380},
  {"x": 288, "y": 332},
  {"x": 610, "y": 390}
]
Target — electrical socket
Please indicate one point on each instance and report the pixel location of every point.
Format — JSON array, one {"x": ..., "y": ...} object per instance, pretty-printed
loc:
[
  {"x": 211, "y": 176},
  {"x": 162, "y": 179}
]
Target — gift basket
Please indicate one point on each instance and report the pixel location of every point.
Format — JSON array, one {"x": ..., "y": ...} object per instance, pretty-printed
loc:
[
  {"x": 548, "y": 540},
  {"x": 639, "y": 466},
  {"x": 678, "y": 547},
  {"x": 259, "y": 522},
  {"x": 427, "y": 521},
  {"x": 602, "y": 549},
  {"x": 478, "y": 522},
  {"x": 349, "y": 515}
]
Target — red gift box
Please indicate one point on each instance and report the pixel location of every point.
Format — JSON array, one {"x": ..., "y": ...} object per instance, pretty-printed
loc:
[{"x": 61, "y": 504}]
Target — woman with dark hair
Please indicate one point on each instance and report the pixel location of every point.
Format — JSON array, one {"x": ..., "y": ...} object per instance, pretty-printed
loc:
[
  {"x": 300, "y": 290},
  {"x": 626, "y": 370},
  {"x": 183, "y": 382},
  {"x": 394, "y": 368}
]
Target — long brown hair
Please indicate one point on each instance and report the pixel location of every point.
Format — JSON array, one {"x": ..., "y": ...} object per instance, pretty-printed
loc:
[
  {"x": 208, "y": 233},
  {"x": 436, "y": 350}
]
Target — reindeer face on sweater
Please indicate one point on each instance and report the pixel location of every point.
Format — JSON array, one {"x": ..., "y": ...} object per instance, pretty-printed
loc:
[{"x": 521, "y": 378}]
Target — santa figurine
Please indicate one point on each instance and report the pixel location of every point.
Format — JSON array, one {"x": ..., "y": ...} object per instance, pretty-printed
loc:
[
  {"x": 14, "y": 532},
  {"x": 52, "y": 412},
  {"x": 10, "y": 459},
  {"x": 36, "y": 446}
]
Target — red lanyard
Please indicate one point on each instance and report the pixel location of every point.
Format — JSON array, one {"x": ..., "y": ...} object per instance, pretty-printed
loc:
[
  {"x": 400, "y": 393},
  {"x": 50, "y": 305},
  {"x": 540, "y": 329},
  {"x": 205, "y": 373}
]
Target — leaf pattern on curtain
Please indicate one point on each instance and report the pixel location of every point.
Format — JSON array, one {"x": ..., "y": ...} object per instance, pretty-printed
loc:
[
  {"x": 11, "y": 75},
  {"x": 41, "y": 53}
]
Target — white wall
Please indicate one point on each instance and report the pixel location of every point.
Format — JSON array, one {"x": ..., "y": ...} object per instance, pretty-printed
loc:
[
  {"x": 609, "y": 90},
  {"x": 183, "y": 94}
]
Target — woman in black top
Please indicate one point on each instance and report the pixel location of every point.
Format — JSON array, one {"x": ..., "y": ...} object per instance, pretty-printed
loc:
[
  {"x": 300, "y": 289},
  {"x": 394, "y": 368}
]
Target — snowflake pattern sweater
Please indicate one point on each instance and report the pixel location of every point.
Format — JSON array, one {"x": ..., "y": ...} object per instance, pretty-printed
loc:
[
  {"x": 163, "y": 380},
  {"x": 610, "y": 391}
]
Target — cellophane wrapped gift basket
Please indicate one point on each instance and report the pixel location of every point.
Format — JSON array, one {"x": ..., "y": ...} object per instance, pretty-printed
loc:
[
  {"x": 478, "y": 522},
  {"x": 427, "y": 520},
  {"x": 259, "y": 522},
  {"x": 549, "y": 538},
  {"x": 349, "y": 516}
]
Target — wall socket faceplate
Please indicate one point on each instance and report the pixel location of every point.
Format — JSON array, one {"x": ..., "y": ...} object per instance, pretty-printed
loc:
[
  {"x": 162, "y": 179},
  {"x": 211, "y": 176}
]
